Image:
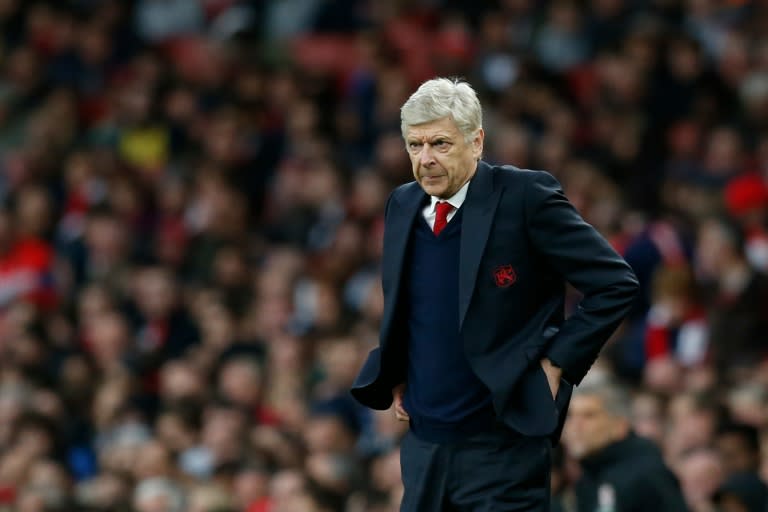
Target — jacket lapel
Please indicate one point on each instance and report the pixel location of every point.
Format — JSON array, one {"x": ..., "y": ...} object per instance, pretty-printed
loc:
[
  {"x": 400, "y": 217},
  {"x": 479, "y": 207}
]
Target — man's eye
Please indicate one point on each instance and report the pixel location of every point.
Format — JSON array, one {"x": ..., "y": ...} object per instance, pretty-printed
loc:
[{"x": 414, "y": 145}]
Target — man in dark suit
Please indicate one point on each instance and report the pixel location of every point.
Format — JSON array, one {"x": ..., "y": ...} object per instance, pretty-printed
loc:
[{"x": 474, "y": 349}]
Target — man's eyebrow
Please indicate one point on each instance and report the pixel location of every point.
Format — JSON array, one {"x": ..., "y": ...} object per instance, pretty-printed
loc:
[{"x": 430, "y": 139}]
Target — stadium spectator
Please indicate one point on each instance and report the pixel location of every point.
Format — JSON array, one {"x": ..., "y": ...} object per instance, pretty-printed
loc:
[{"x": 620, "y": 470}]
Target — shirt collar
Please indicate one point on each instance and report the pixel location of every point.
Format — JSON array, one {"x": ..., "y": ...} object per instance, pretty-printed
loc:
[{"x": 456, "y": 200}]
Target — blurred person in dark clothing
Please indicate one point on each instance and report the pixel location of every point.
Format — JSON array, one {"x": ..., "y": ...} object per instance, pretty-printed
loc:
[
  {"x": 737, "y": 297},
  {"x": 562, "y": 493},
  {"x": 621, "y": 471},
  {"x": 742, "y": 492},
  {"x": 163, "y": 328}
]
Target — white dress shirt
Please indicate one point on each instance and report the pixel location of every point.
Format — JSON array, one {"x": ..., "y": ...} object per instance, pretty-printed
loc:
[{"x": 456, "y": 200}]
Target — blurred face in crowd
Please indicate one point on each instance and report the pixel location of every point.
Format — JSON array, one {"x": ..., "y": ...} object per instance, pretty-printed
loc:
[
  {"x": 93, "y": 301},
  {"x": 47, "y": 474},
  {"x": 340, "y": 360},
  {"x": 648, "y": 417},
  {"x": 155, "y": 292},
  {"x": 700, "y": 474},
  {"x": 180, "y": 380},
  {"x": 105, "y": 238},
  {"x": 34, "y": 441},
  {"x": 222, "y": 433},
  {"x": 45, "y": 488},
  {"x": 691, "y": 425},
  {"x": 385, "y": 471},
  {"x": 591, "y": 427},
  {"x": 327, "y": 434},
  {"x": 251, "y": 485},
  {"x": 442, "y": 160},
  {"x": 33, "y": 211},
  {"x": 153, "y": 460},
  {"x": 109, "y": 337},
  {"x": 175, "y": 432},
  {"x": 285, "y": 485},
  {"x": 240, "y": 382},
  {"x": 714, "y": 249}
]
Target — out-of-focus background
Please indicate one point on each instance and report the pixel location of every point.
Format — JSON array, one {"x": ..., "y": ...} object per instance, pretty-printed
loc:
[{"x": 191, "y": 226}]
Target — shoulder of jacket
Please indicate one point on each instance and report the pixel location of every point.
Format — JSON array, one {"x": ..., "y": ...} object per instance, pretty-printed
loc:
[
  {"x": 404, "y": 189},
  {"x": 509, "y": 174}
]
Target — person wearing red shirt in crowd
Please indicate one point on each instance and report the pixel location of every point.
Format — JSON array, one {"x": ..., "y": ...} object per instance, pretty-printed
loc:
[
  {"x": 26, "y": 267},
  {"x": 676, "y": 323},
  {"x": 746, "y": 201}
]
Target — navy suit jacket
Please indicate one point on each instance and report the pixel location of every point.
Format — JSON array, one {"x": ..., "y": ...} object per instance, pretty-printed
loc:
[{"x": 521, "y": 241}]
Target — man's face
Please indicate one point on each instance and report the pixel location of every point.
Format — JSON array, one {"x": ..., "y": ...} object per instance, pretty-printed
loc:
[
  {"x": 590, "y": 427},
  {"x": 442, "y": 160}
]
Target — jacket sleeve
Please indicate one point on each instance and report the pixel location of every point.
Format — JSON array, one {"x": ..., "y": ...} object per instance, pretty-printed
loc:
[{"x": 585, "y": 259}]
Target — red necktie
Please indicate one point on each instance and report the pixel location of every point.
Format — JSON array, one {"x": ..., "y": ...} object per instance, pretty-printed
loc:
[{"x": 441, "y": 220}]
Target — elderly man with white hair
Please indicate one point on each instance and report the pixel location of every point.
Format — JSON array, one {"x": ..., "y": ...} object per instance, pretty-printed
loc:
[{"x": 475, "y": 351}]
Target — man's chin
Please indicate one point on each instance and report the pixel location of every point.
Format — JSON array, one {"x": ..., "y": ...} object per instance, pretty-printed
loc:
[{"x": 433, "y": 190}]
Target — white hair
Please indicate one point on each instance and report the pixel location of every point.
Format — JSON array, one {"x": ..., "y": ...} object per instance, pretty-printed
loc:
[
  {"x": 440, "y": 98},
  {"x": 159, "y": 488},
  {"x": 615, "y": 398}
]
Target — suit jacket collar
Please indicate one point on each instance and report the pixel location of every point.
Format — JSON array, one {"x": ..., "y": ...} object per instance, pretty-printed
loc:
[
  {"x": 479, "y": 208},
  {"x": 400, "y": 216},
  {"x": 481, "y": 185}
]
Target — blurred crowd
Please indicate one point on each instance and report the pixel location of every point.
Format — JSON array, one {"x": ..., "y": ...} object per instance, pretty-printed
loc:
[{"x": 191, "y": 195}]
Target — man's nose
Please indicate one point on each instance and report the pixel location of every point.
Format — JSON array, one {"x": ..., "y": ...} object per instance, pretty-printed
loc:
[{"x": 426, "y": 156}]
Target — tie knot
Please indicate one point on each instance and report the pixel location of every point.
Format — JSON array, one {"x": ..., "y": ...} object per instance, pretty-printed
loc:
[{"x": 443, "y": 208}]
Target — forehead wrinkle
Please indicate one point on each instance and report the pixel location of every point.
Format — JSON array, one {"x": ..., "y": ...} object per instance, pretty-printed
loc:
[{"x": 429, "y": 136}]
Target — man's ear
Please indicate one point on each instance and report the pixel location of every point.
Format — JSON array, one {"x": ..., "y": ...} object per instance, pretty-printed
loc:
[{"x": 477, "y": 143}]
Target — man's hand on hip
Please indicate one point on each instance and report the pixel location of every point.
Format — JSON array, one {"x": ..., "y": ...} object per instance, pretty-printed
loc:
[
  {"x": 553, "y": 374},
  {"x": 397, "y": 396}
]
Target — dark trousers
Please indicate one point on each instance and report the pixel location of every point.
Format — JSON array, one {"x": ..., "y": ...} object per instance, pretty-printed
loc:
[{"x": 494, "y": 472}]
